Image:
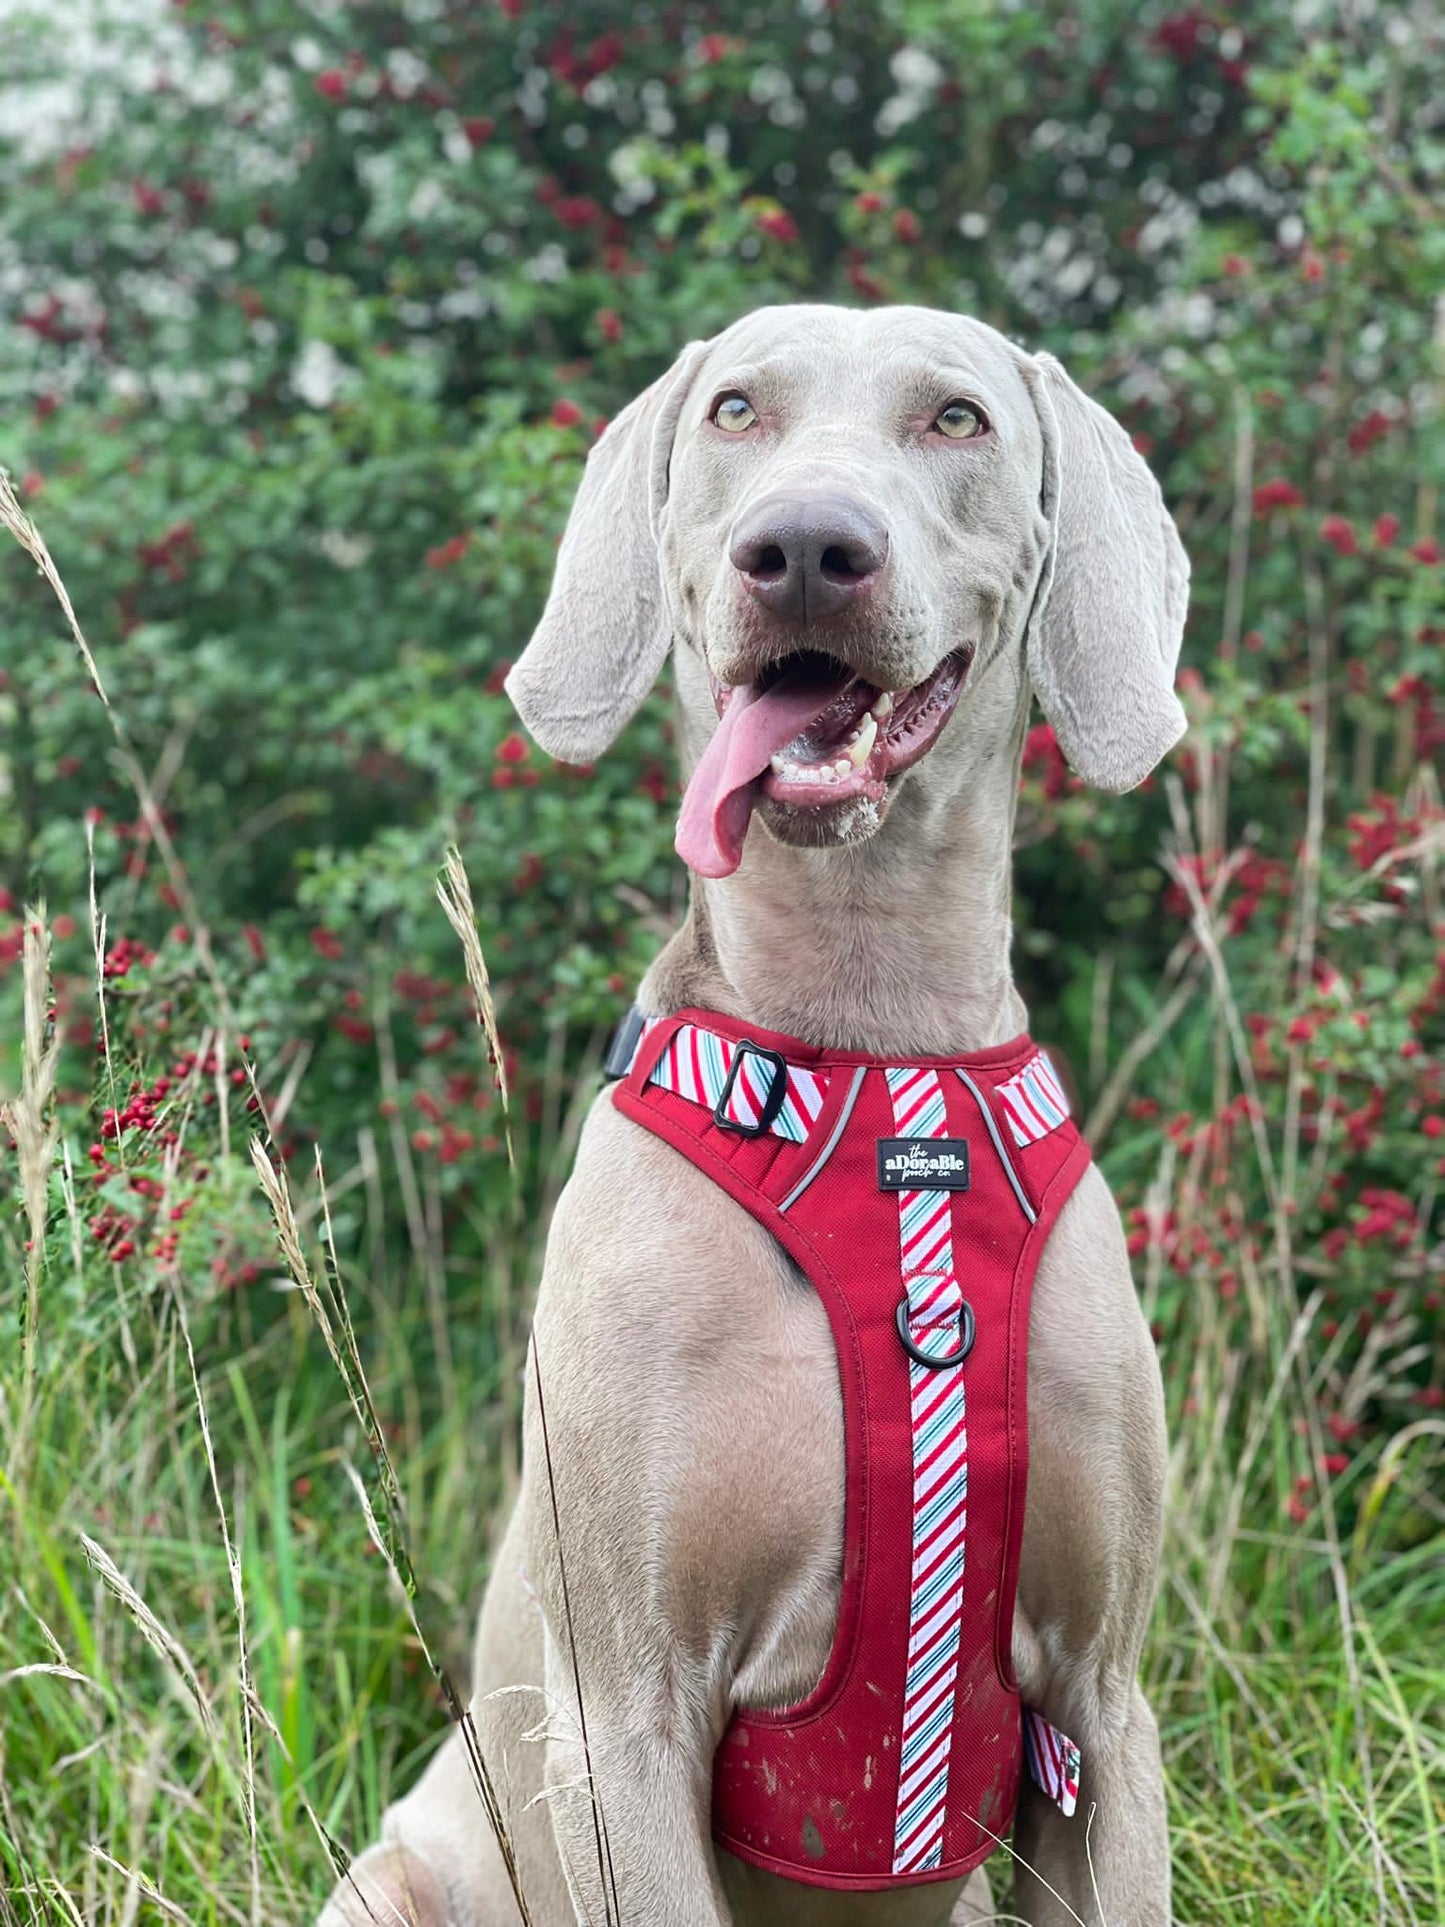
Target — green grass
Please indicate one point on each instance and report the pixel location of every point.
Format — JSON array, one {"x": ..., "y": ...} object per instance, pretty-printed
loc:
[
  {"x": 116, "y": 1752},
  {"x": 1299, "y": 1678},
  {"x": 1300, "y": 1697}
]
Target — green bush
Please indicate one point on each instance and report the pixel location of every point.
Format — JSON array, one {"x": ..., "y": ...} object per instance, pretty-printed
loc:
[{"x": 314, "y": 326}]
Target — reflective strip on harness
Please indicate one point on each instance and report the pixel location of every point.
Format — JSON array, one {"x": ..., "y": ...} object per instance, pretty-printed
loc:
[
  {"x": 940, "y": 1492},
  {"x": 696, "y": 1063}
]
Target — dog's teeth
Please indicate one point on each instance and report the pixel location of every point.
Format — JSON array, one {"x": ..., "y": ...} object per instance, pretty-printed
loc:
[
  {"x": 779, "y": 767},
  {"x": 827, "y": 773},
  {"x": 883, "y": 708},
  {"x": 861, "y": 748},
  {"x": 843, "y": 767}
]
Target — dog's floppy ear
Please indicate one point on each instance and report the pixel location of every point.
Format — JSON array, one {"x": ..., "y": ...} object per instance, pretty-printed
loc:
[
  {"x": 605, "y": 629},
  {"x": 1108, "y": 617}
]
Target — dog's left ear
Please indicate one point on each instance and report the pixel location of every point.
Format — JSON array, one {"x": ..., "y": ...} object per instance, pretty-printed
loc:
[
  {"x": 1104, "y": 636},
  {"x": 605, "y": 630}
]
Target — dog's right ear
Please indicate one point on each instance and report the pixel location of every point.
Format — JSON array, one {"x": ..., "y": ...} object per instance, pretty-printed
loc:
[{"x": 605, "y": 630}]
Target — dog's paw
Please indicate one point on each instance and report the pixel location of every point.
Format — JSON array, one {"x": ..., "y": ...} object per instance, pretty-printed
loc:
[{"x": 387, "y": 1887}]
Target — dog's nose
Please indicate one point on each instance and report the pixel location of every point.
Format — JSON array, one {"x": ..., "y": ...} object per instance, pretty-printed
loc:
[{"x": 806, "y": 557}]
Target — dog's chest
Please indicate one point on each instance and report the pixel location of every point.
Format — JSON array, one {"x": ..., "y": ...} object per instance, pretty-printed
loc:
[{"x": 877, "y": 1736}]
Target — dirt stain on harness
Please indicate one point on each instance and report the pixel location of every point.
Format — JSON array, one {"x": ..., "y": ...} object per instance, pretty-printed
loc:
[{"x": 812, "y": 1840}]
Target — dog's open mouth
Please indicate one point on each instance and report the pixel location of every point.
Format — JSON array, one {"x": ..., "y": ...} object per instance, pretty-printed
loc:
[{"x": 809, "y": 735}]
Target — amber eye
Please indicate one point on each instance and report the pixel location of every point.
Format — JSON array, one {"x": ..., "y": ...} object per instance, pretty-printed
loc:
[
  {"x": 960, "y": 422},
  {"x": 734, "y": 413}
]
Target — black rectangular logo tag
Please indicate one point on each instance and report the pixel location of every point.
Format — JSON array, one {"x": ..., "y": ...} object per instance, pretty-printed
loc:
[{"x": 923, "y": 1164}]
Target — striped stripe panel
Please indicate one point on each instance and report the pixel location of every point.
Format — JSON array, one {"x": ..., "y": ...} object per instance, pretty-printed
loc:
[
  {"x": 696, "y": 1063},
  {"x": 1034, "y": 1100},
  {"x": 940, "y": 1492},
  {"x": 1053, "y": 1761}
]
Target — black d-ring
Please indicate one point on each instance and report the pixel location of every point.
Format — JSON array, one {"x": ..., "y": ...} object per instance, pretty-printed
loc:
[{"x": 934, "y": 1363}]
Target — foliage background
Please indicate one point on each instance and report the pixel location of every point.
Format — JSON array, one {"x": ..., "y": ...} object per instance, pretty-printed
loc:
[{"x": 308, "y": 313}]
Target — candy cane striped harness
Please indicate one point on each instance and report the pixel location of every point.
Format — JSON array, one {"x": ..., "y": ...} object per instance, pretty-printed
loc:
[{"x": 916, "y": 1198}]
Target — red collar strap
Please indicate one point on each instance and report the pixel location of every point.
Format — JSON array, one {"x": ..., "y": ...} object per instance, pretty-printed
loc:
[{"x": 916, "y": 1198}]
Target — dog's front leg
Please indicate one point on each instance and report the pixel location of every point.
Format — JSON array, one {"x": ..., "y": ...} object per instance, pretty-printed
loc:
[
  {"x": 1109, "y": 1864},
  {"x": 631, "y": 1708},
  {"x": 1090, "y": 1561},
  {"x": 630, "y": 1808},
  {"x": 682, "y": 1503}
]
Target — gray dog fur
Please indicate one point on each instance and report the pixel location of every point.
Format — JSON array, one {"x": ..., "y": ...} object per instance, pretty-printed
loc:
[{"x": 691, "y": 1387}]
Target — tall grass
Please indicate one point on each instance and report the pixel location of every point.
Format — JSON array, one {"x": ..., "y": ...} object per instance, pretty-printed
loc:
[
  {"x": 243, "y": 1533},
  {"x": 207, "y": 1606}
]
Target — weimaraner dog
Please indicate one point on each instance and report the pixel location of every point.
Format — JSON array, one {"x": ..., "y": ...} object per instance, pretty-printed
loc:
[{"x": 903, "y": 503}]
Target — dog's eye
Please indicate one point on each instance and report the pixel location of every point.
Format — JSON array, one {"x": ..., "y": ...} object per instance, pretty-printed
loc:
[
  {"x": 960, "y": 422},
  {"x": 734, "y": 413}
]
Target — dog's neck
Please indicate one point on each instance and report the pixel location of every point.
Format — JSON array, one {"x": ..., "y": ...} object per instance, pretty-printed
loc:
[{"x": 898, "y": 943}]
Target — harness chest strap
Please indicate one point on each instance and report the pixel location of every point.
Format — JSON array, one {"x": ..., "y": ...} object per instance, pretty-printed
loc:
[{"x": 915, "y": 1198}]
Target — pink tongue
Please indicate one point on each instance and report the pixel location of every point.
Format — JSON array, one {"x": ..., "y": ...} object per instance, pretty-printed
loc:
[{"x": 719, "y": 801}]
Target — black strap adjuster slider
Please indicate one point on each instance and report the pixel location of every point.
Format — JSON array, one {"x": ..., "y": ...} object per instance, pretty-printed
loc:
[
  {"x": 772, "y": 1103},
  {"x": 623, "y": 1048}
]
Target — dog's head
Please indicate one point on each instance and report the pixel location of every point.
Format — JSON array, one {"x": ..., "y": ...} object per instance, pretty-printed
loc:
[{"x": 863, "y": 529}]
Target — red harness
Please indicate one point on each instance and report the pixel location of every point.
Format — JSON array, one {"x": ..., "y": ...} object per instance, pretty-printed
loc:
[{"x": 916, "y": 1199}]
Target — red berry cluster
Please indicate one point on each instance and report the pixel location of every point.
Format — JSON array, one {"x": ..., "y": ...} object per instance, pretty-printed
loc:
[
  {"x": 147, "y": 1136},
  {"x": 172, "y": 554},
  {"x": 447, "y": 553},
  {"x": 1044, "y": 762},
  {"x": 441, "y": 1132},
  {"x": 1276, "y": 494},
  {"x": 148, "y": 1178},
  {"x": 125, "y": 955},
  {"x": 1251, "y": 880},
  {"x": 1382, "y": 828}
]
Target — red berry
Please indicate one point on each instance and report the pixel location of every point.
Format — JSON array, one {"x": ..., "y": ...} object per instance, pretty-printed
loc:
[
  {"x": 1276, "y": 494},
  {"x": 778, "y": 224},
  {"x": 1339, "y": 534}
]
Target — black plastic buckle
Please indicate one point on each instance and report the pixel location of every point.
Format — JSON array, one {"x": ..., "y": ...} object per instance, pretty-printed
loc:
[
  {"x": 623, "y": 1048},
  {"x": 772, "y": 1104},
  {"x": 934, "y": 1362}
]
